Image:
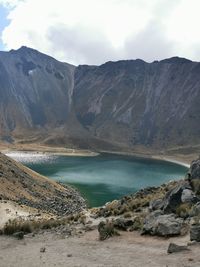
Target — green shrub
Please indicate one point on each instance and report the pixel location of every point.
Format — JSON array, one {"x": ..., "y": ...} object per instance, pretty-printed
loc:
[
  {"x": 13, "y": 226},
  {"x": 184, "y": 210},
  {"x": 138, "y": 223},
  {"x": 106, "y": 230}
]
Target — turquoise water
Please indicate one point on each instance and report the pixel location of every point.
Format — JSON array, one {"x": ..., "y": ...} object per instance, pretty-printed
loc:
[{"x": 105, "y": 177}]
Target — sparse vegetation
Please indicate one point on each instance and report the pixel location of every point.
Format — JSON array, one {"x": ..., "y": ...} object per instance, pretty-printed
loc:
[
  {"x": 106, "y": 230},
  {"x": 137, "y": 223},
  {"x": 13, "y": 226},
  {"x": 26, "y": 226},
  {"x": 134, "y": 203},
  {"x": 195, "y": 183},
  {"x": 184, "y": 210}
]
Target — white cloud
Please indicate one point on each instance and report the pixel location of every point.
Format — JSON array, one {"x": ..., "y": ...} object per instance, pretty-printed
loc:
[
  {"x": 95, "y": 31},
  {"x": 10, "y": 3},
  {"x": 151, "y": 44}
]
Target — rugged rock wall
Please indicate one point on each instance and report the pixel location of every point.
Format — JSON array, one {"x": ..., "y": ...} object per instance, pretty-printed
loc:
[
  {"x": 35, "y": 93},
  {"x": 134, "y": 102},
  {"x": 117, "y": 104}
]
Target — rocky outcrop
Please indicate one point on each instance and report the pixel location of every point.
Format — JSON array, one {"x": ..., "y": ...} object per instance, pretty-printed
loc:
[
  {"x": 182, "y": 193},
  {"x": 168, "y": 215},
  {"x": 168, "y": 210},
  {"x": 157, "y": 223}
]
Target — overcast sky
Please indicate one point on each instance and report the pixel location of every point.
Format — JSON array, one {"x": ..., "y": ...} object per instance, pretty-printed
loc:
[{"x": 96, "y": 31}]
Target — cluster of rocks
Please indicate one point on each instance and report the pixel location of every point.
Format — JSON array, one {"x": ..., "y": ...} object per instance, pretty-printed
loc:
[
  {"x": 179, "y": 210},
  {"x": 64, "y": 203},
  {"x": 176, "y": 212}
]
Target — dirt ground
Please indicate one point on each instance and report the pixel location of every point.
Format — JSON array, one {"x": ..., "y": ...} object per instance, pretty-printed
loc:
[{"x": 129, "y": 249}]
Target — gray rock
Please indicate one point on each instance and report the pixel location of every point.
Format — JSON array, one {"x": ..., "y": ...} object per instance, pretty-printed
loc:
[
  {"x": 150, "y": 222},
  {"x": 176, "y": 248},
  {"x": 188, "y": 196},
  {"x": 195, "y": 232},
  {"x": 194, "y": 172},
  {"x": 173, "y": 198},
  {"x": 162, "y": 224},
  {"x": 19, "y": 235},
  {"x": 155, "y": 204},
  {"x": 123, "y": 224},
  {"x": 42, "y": 250}
]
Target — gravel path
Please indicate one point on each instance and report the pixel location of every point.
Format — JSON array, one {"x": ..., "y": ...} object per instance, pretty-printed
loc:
[{"x": 129, "y": 249}]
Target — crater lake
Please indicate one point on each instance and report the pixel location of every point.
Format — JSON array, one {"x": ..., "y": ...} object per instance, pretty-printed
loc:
[{"x": 104, "y": 177}]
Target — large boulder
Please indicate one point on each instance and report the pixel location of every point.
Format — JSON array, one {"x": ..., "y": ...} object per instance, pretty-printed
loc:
[
  {"x": 123, "y": 224},
  {"x": 188, "y": 196},
  {"x": 176, "y": 196},
  {"x": 157, "y": 223}
]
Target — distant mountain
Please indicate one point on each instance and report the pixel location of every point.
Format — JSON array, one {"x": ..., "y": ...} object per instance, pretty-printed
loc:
[
  {"x": 134, "y": 102},
  {"x": 116, "y": 105},
  {"x": 35, "y": 92}
]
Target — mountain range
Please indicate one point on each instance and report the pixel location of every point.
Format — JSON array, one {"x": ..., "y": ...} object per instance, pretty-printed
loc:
[{"x": 117, "y": 105}]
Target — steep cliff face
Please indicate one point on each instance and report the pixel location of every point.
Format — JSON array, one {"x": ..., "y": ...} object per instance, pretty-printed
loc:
[
  {"x": 134, "y": 102},
  {"x": 117, "y": 104},
  {"x": 35, "y": 92}
]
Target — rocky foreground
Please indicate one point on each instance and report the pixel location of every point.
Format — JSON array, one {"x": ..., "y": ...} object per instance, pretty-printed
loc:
[
  {"x": 157, "y": 226},
  {"x": 172, "y": 209}
]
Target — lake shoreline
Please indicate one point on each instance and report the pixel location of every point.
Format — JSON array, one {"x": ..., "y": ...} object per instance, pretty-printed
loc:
[
  {"x": 57, "y": 151},
  {"x": 173, "y": 159}
]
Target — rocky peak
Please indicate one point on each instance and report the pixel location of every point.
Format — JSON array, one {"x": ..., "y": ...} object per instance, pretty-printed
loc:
[{"x": 176, "y": 60}]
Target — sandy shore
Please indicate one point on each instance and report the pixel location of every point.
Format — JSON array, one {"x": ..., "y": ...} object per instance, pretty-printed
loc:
[
  {"x": 174, "y": 159},
  {"x": 40, "y": 149},
  {"x": 130, "y": 250}
]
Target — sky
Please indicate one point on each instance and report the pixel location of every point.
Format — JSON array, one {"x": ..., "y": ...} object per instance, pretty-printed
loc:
[{"x": 95, "y": 31}]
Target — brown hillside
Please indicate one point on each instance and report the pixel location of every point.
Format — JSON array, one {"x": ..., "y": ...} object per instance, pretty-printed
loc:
[{"x": 22, "y": 185}]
